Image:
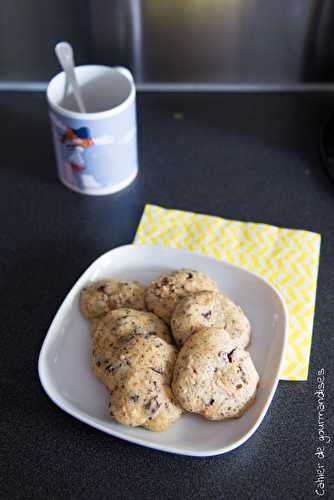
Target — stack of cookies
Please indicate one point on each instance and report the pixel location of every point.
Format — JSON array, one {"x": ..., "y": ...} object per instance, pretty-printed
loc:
[{"x": 176, "y": 345}]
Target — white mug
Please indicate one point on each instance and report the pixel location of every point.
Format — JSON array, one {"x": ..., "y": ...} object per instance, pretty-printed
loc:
[{"x": 96, "y": 151}]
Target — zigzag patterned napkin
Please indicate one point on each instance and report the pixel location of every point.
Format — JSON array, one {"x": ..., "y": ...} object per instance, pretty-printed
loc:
[{"x": 287, "y": 258}]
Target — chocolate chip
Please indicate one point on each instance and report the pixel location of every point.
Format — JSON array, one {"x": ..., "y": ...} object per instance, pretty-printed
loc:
[
  {"x": 238, "y": 386},
  {"x": 230, "y": 355},
  {"x": 211, "y": 402},
  {"x": 111, "y": 369},
  {"x": 101, "y": 288},
  {"x": 207, "y": 315},
  {"x": 153, "y": 405},
  {"x": 190, "y": 276},
  {"x": 157, "y": 370},
  {"x": 134, "y": 398},
  {"x": 127, "y": 338},
  {"x": 223, "y": 355}
]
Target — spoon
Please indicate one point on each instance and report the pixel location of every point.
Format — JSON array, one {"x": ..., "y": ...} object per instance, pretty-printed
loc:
[{"x": 64, "y": 52}]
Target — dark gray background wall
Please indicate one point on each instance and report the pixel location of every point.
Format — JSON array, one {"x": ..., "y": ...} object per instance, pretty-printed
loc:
[{"x": 188, "y": 41}]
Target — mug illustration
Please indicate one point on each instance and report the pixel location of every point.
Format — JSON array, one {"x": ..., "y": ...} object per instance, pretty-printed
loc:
[
  {"x": 82, "y": 163},
  {"x": 77, "y": 141},
  {"x": 89, "y": 161}
]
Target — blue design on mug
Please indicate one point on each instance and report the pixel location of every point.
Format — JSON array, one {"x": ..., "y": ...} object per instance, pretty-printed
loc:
[
  {"x": 78, "y": 149},
  {"x": 76, "y": 142}
]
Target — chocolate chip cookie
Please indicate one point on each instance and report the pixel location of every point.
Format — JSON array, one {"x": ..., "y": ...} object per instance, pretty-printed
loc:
[
  {"x": 164, "y": 293},
  {"x": 130, "y": 353},
  {"x": 168, "y": 414},
  {"x": 196, "y": 312},
  {"x": 214, "y": 377},
  {"x": 142, "y": 399},
  {"x": 206, "y": 309},
  {"x": 125, "y": 321},
  {"x": 100, "y": 297}
]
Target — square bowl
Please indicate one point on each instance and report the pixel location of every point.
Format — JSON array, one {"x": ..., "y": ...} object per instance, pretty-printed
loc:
[{"x": 64, "y": 361}]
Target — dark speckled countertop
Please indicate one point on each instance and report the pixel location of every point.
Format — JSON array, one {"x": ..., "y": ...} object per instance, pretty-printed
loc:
[{"x": 241, "y": 156}]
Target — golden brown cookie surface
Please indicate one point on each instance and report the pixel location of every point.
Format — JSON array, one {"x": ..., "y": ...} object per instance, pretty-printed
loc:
[
  {"x": 213, "y": 377},
  {"x": 196, "y": 312},
  {"x": 235, "y": 321},
  {"x": 143, "y": 399},
  {"x": 163, "y": 294},
  {"x": 133, "y": 352},
  {"x": 124, "y": 321},
  {"x": 100, "y": 297}
]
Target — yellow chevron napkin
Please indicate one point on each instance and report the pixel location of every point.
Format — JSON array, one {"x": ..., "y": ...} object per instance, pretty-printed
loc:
[{"x": 287, "y": 258}]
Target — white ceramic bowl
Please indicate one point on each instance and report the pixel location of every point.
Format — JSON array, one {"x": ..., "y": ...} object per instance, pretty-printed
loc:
[{"x": 64, "y": 362}]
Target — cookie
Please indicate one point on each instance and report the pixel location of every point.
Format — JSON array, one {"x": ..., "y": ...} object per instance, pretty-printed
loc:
[
  {"x": 100, "y": 297},
  {"x": 196, "y": 312},
  {"x": 164, "y": 293},
  {"x": 168, "y": 413},
  {"x": 235, "y": 321},
  {"x": 120, "y": 322},
  {"x": 214, "y": 377},
  {"x": 206, "y": 309},
  {"x": 136, "y": 399},
  {"x": 142, "y": 400},
  {"x": 131, "y": 352}
]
